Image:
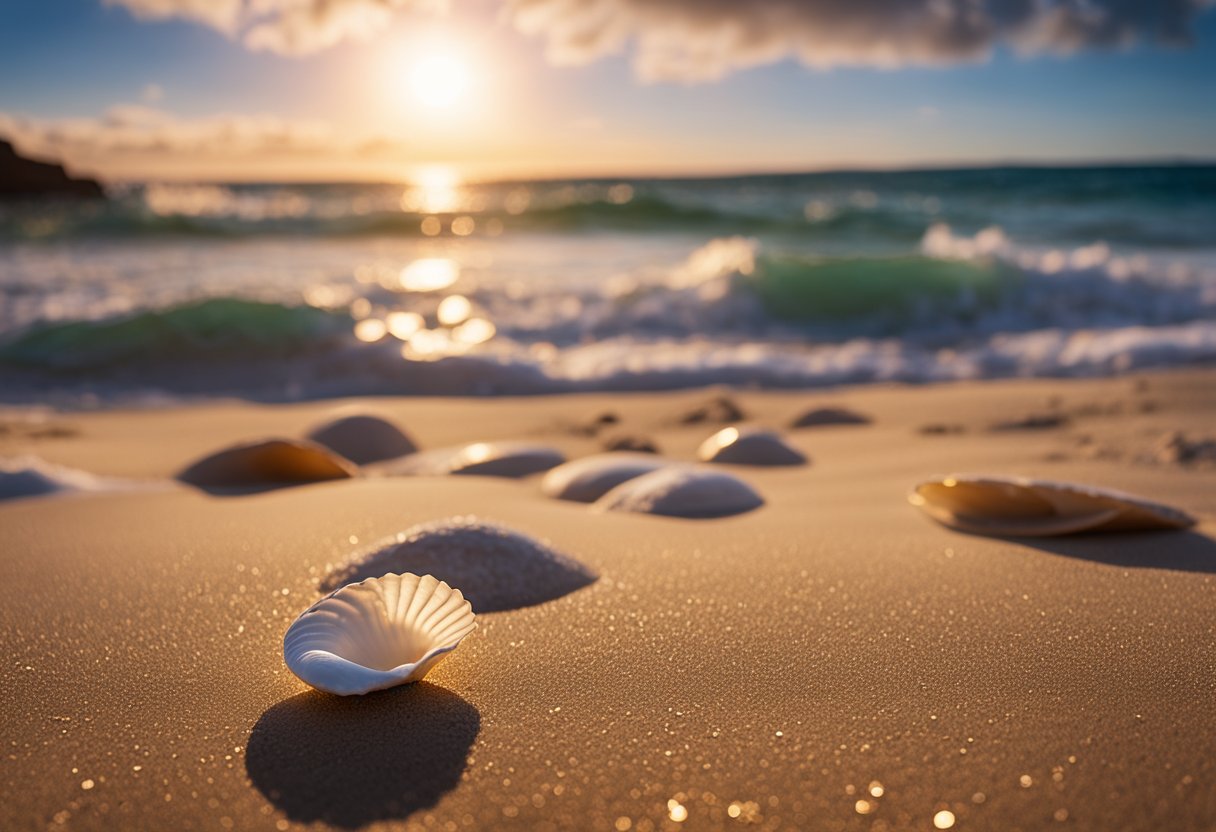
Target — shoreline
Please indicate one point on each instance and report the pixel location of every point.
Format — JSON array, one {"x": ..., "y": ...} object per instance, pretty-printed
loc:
[{"x": 832, "y": 659}]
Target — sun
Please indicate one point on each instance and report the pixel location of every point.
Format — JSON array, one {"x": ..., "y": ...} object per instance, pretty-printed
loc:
[{"x": 440, "y": 80}]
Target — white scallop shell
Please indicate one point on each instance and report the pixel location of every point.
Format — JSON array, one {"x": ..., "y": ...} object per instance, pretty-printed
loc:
[
  {"x": 377, "y": 633},
  {"x": 1019, "y": 507},
  {"x": 488, "y": 459},
  {"x": 749, "y": 446},
  {"x": 682, "y": 491},
  {"x": 586, "y": 480}
]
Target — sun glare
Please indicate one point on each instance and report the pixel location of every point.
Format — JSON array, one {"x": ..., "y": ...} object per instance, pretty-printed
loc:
[
  {"x": 440, "y": 80},
  {"x": 434, "y": 189}
]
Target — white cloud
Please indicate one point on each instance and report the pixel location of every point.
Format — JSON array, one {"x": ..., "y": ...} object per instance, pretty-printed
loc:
[
  {"x": 218, "y": 14},
  {"x": 136, "y": 141},
  {"x": 289, "y": 27}
]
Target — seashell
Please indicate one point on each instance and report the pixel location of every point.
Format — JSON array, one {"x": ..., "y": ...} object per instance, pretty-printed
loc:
[
  {"x": 637, "y": 443},
  {"x": 496, "y": 567},
  {"x": 825, "y": 416},
  {"x": 718, "y": 409},
  {"x": 1018, "y": 507},
  {"x": 489, "y": 459},
  {"x": 586, "y": 480},
  {"x": 376, "y": 634},
  {"x": 682, "y": 491},
  {"x": 749, "y": 446},
  {"x": 363, "y": 438},
  {"x": 268, "y": 462},
  {"x": 595, "y": 424}
]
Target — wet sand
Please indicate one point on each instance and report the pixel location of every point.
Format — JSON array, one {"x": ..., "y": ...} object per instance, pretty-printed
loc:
[{"x": 831, "y": 660}]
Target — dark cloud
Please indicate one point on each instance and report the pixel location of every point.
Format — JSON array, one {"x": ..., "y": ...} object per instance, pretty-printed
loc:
[{"x": 692, "y": 40}]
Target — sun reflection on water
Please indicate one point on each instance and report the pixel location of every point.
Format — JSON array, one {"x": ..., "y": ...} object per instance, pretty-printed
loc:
[
  {"x": 429, "y": 274},
  {"x": 453, "y": 310},
  {"x": 434, "y": 189}
]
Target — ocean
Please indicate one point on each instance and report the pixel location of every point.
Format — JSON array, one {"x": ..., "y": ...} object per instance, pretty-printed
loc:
[{"x": 282, "y": 292}]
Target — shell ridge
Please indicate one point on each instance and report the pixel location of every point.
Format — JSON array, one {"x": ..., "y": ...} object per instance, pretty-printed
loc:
[
  {"x": 452, "y": 620},
  {"x": 438, "y": 607},
  {"x": 433, "y": 602},
  {"x": 422, "y": 594}
]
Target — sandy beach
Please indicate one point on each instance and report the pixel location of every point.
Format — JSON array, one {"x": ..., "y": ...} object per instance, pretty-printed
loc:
[{"x": 832, "y": 660}]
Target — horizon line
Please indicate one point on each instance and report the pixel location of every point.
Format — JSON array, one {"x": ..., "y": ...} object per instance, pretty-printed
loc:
[{"x": 707, "y": 175}]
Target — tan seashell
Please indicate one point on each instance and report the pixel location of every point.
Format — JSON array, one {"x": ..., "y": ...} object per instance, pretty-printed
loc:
[
  {"x": 749, "y": 446},
  {"x": 363, "y": 438},
  {"x": 267, "y": 462},
  {"x": 682, "y": 491},
  {"x": 377, "y": 634},
  {"x": 488, "y": 459},
  {"x": 586, "y": 480},
  {"x": 827, "y": 416},
  {"x": 1019, "y": 507}
]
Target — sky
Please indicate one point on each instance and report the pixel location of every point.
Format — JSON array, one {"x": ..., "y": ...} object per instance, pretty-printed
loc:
[{"x": 325, "y": 90}]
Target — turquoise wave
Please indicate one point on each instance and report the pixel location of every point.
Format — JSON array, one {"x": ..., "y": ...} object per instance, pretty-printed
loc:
[
  {"x": 645, "y": 214},
  {"x": 215, "y": 329},
  {"x": 800, "y": 289}
]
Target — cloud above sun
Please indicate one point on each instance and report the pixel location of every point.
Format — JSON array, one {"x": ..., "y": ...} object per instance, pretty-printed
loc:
[{"x": 698, "y": 40}]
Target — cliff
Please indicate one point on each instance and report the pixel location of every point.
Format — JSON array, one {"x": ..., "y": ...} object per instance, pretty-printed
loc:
[{"x": 21, "y": 177}]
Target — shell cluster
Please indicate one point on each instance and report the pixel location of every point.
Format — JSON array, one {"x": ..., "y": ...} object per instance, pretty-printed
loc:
[
  {"x": 377, "y": 633},
  {"x": 393, "y": 615},
  {"x": 1019, "y": 507}
]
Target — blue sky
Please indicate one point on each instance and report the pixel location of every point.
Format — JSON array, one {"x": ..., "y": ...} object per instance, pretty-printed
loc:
[{"x": 73, "y": 61}]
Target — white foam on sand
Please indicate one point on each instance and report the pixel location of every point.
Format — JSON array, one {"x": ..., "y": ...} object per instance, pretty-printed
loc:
[
  {"x": 586, "y": 480},
  {"x": 683, "y": 491},
  {"x": 363, "y": 437},
  {"x": 30, "y": 476},
  {"x": 496, "y": 568},
  {"x": 749, "y": 446}
]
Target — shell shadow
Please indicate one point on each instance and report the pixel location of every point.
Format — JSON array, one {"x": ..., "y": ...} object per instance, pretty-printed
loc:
[
  {"x": 1182, "y": 551},
  {"x": 351, "y": 761}
]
